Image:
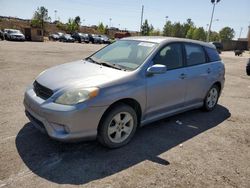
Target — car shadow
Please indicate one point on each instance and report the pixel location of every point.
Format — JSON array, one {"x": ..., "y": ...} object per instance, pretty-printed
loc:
[{"x": 81, "y": 163}]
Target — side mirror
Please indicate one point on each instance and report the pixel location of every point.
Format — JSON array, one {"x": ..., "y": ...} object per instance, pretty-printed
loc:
[{"x": 156, "y": 69}]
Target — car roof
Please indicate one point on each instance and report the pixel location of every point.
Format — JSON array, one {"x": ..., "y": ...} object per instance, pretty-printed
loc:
[
  {"x": 162, "y": 39},
  {"x": 11, "y": 30}
]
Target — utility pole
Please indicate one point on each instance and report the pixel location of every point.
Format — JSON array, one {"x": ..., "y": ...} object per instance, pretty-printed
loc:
[
  {"x": 55, "y": 14},
  {"x": 240, "y": 31},
  {"x": 214, "y": 2},
  {"x": 110, "y": 20},
  {"x": 142, "y": 12}
]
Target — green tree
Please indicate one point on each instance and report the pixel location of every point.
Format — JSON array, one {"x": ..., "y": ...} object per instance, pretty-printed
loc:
[
  {"x": 214, "y": 36},
  {"x": 145, "y": 29},
  {"x": 190, "y": 33},
  {"x": 186, "y": 26},
  {"x": 226, "y": 33},
  {"x": 155, "y": 32},
  {"x": 101, "y": 29},
  {"x": 151, "y": 29},
  {"x": 40, "y": 17},
  {"x": 77, "y": 20},
  {"x": 167, "y": 29},
  {"x": 199, "y": 34},
  {"x": 61, "y": 26},
  {"x": 71, "y": 26},
  {"x": 177, "y": 30}
]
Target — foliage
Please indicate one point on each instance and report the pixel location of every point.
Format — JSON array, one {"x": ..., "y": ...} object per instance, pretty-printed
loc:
[
  {"x": 214, "y": 36},
  {"x": 199, "y": 34},
  {"x": 167, "y": 29},
  {"x": 101, "y": 29},
  {"x": 226, "y": 33},
  {"x": 71, "y": 26},
  {"x": 61, "y": 26},
  {"x": 177, "y": 29},
  {"x": 40, "y": 17},
  {"x": 77, "y": 21},
  {"x": 155, "y": 32},
  {"x": 190, "y": 33},
  {"x": 146, "y": 29}
]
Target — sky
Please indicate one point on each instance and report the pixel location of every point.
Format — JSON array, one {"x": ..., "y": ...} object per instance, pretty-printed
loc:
[{"x": 126, "y": 14}]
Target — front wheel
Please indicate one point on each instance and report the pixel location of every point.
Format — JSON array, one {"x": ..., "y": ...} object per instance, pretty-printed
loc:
[
  {"x": 118, "y": 126},
  {"x": 211, "y": 99}
]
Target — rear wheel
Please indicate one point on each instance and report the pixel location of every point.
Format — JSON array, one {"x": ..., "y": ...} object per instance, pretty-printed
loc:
[
  {"x": 211, "y": 99},
  {"x": 118, "y": 126}
]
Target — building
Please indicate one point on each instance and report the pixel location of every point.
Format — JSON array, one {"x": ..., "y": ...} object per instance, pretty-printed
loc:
[
  {"x": 33, "y": 34},
  {"x": 248, "y": 37}
]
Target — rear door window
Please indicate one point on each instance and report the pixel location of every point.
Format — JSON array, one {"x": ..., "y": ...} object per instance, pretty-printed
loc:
[{"x": 195, "y": 54}]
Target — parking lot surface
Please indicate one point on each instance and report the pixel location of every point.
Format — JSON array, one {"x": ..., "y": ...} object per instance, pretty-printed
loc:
[{"x": 193, "y": 149}]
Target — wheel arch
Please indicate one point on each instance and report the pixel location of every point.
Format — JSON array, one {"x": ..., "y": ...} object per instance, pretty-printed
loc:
[
  {"x": 128, "y": 101},
  {"x": 218, "y": 84}
]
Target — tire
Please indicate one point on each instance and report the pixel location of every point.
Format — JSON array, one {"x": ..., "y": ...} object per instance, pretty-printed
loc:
[
  {"x": 211, "y": 98},
  {"x": 113, "y": 131}
]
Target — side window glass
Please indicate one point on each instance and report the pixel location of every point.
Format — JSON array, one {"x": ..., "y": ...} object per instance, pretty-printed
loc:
[
  {"x": 195, "y": 54},
  {"x": 171, "y": 56},
  {"x": 212, "y": 54}
]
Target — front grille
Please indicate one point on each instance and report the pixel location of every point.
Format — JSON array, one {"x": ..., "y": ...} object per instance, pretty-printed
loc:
[{"x": 42, "y": 91}]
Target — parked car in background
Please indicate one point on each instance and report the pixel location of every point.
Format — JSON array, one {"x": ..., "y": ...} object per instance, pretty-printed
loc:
[
  {"x": 129, "y": 83},
  {"x": 13, "y": 34},
  {"x": 54, "y": 37},
  {"x": 1, "y": 35},
  {"x": 95, "y": 39},
  {"x": 66, "y": 38},
  {"x": 248, "y": 68},
  {"x": 218, "y": 46},
  {"x": 105, "y": 39},
  {"x": 81, "y": 37},
  {"x": 238, "y": 52}
]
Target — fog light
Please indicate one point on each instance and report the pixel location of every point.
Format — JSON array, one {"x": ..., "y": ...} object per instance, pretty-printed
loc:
[{"x": 60, "y": 128}]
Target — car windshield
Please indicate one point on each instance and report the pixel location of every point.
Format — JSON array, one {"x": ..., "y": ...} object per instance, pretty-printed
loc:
[
  {"x": 15, "y": 31},
  {"x": 127, "y": 54}
]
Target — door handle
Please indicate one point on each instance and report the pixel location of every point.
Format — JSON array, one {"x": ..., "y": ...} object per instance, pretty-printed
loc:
[
  {"x": 208, "y": 70},
  {"x": 182, "y": 76}
]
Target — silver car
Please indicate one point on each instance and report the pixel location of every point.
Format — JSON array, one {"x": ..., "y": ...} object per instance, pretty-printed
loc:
[{"x": 127, "y": 84}]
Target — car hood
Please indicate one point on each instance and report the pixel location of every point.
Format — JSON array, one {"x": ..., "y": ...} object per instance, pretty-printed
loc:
[
  {"x": 78, "y": 74},
  {"x": 17, "y": 34}
]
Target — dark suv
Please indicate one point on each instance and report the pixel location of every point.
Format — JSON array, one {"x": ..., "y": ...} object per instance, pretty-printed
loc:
[
  {"x": 95, "y": 39},
  {"x": 81, "y": 37},
  {"x": 218, "y": 46}
]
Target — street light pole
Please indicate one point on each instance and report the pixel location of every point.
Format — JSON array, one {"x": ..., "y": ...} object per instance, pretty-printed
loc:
[
  {"x": 142, "y": 12},
  {"x": 55, "y": 14},
  {"x": 214, "y": 2},
  {"x": 110, "y": 20},
  {"x": 166, "y": 18}
]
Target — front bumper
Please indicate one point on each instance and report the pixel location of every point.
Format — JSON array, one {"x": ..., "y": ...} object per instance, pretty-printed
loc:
[
  {"x": 62, "y": 122},
  {"x": 17, "y": 38}
]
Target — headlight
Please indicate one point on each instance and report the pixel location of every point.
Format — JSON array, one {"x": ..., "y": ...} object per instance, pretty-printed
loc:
[{"x": 77, "y": 96}]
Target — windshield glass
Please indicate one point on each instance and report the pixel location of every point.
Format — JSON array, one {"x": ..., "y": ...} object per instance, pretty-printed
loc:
[
  {"x": 128, "y": 54},
  {"x": 14, "y": 31}
]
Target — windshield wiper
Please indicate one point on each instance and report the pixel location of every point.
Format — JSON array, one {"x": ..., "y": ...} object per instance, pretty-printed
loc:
[
  {"x": 92, "y": 60},
  {"x": 110, "y": 65},
  {"x": 103, "y": 63}
]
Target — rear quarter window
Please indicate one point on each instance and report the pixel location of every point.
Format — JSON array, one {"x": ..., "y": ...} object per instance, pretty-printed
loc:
[{"x": 212, "y": 54}]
